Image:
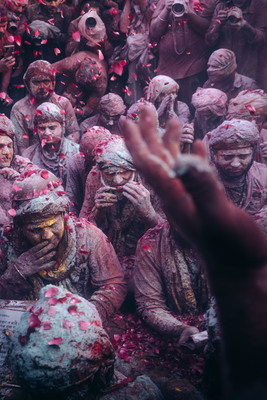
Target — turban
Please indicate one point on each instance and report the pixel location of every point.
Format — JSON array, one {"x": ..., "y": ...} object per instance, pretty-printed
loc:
[
  {"x": 210, "y": 99},
  {"x": 233, "y": 134},
  {"x": 161, "y": 84},
  {"x": 38, "y": 192},
  {"x": 248, "y": 104},
  {"x": 6, "y": 126},
  {"x": 88, "y": 72},
  {"x": 92, "y": 138},
  {"x": 69, "y": 347},
  {"x": 48, "y": 112},
  {"x": 114, "y": 153},
  {"x": 39, "y": 68},
  {"x": 222, "y": 60},
  {"x": 112, "y": 104},
  {"x": 91, "y": 26},
  {"x": 134, "y": 111}
]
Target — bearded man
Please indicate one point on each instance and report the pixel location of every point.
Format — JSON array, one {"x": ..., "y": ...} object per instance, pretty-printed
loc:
[
  {"x": 48, "y": 246},
  {"x": 233, "y": 146},
  {"x": 40, "y": 82}
]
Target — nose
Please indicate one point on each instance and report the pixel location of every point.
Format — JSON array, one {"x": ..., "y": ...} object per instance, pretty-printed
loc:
[
  {"x": 47, "y": 233},
  {"x": 5, "y": 150},
  {"x": 235, "y": 162},
  {"x": 117, "y": 180}
]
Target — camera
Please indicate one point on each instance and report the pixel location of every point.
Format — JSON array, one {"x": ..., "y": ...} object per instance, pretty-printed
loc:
[
  {"x": 90, "y": 23},
  {"x": 178, "y": 8}
]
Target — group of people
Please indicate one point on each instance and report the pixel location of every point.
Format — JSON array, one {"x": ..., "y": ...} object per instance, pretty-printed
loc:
[{"x": 80, "y": 205}]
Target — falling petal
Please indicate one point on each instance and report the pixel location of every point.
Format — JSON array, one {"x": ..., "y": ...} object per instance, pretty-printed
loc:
[
  {"x": 52, "y": 291},
  {"x": 55, "y": 341}
]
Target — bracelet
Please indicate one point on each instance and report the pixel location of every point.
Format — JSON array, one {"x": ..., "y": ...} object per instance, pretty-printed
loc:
[{"x": 18, "y": 271}]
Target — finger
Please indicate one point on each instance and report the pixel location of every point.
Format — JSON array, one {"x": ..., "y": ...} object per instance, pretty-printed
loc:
[
  {"x": 102, "y": 205},
  {"x": 149, "y": 130},
  {"x": 47, "y": 258},
  {"x": 106, "y": 196},
  {"x": 48, "y": 266},
  {"x": 171, "y": 138},
  {"x": 39, "y": 246},
  {"x": 103, "y": 189},
  {"x": 132, "y": 199},
  {"x": 134, "y": 187},
  {"x": 46, "y": 249},
  {"x": 200, "y": 149}
]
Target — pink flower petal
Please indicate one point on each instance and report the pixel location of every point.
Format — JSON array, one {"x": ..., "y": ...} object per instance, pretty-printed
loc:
[
  {"x": 44, "y": 174},
  {"x": 47, "y": 325},
  {"x": 52, "y": 302},
  {"x": 16, "y": 188},
  {"x": 51, "y": 311},
  {"x": 56, "y": 341},
  {"x": 34, "y": 321},
  {"x": 68, "y": 324},
  {"x": 83, "y": 325},
  {"x": 12, "y": 212},
  {"x": 76, "y": 36},
  {"x": 57, "y": 51},
  {"x": 73, "y": 300},
  {"x": 72, "y": 309},
  {"x": 100, "y": 55},
  {"x": 53, "y": 291}
]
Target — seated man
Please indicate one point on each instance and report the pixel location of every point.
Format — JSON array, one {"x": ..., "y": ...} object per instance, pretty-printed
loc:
[
  {"x": 50, "y": 247},
  {"x": 168, "y": 279},
  {"x": 163, "y": 93},
  {"x": 233, "y": 146},
  {"x": 52, "y": 151},
  {"x": 39, "y": 80},
  {"x": 116, "y": 199},
  {"x": 110, "y": 108},
  {"x": 79, "y": 352},
  {"x": 10, "y": 167},
  {"x": 81, "y": 164},
  {"x": 222, "y": 74},
  {"x": 84, "y": 81},
  {"x": 211, "y": 107}
]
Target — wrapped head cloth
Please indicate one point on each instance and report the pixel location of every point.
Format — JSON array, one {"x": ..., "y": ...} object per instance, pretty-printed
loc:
[
  {"x": 40, "y": 192},
  {"x": 67, "y": 349},
  {"x": 248, "y": 104},
  {"x": 92, "y": 27},
  {"x": 112, "y": 104},
  {"x": 222, "y": 61},
  {"x": 6, "y": 127},
  {"x": 114, "y": 153},
  {"x": 92, "y": 138},
  {"x": 39, "y": 68},
  {"x": 48, "y": 112},
  {"x": 159, "y": 85},
  {"x": 234, "y": 134},
  {"x": 210, "y": 99}
]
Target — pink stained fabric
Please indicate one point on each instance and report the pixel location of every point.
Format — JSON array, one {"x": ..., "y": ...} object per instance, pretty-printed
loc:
[{"x": 168, "y": 279}]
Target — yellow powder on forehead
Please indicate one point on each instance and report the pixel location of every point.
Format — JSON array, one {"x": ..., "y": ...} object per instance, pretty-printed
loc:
[{"x": 46, "y": 222}]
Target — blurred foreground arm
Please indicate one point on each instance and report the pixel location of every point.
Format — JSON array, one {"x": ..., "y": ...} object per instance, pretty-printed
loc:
[{"x": 233, "y": 247}]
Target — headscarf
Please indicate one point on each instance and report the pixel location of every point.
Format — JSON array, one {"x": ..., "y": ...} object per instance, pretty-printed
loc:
[
  {"x": 248, "y": 104},
  {"x": 210, "y": 99},
  {"x": 89, "y": 71},
  {"x": 92, "y": 138},
  {"x": 114, "y": 153},
  {"x": 134, "y": 111},
  {"x": 71, "y": 341},
  {"x": 39, "y": 68},
  {"x": 38, "y": 192},
  {"x": 222, "y": 60},
  {"x": 160, "y": 84},
  {"x": 6, "y": 127},
  {"x": 112, "y": 104},
  {"x": 97, "y": 33},
  {"x": 234, "y": 134},
  {"x": 48, "y": 112}
]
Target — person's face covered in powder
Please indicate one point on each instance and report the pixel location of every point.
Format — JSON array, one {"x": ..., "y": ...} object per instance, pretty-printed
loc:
[
  {"x": 234, "y": 163},
  {"x": 41, "y": 87},
  {"x": 6, "y": 151}
]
